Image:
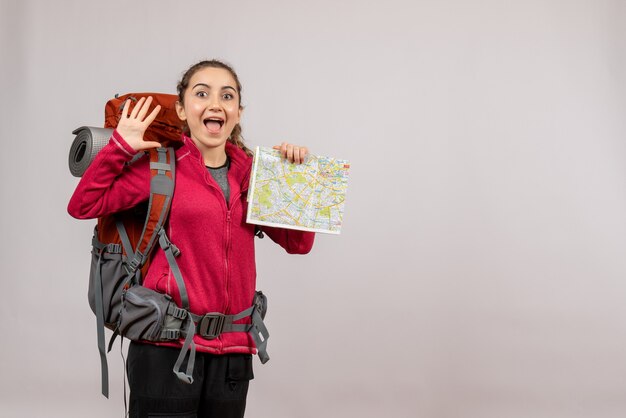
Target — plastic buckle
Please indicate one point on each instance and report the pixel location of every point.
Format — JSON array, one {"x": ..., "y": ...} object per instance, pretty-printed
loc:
[
  {"x": 211, "y": 325},
  {"x": 167, "y": 244},
  {"x": 175, "y": 250},
  {"x": 170, "y": 334},
  {"x": 130, "y": 268},
  {"x": 176, "y": 312}
]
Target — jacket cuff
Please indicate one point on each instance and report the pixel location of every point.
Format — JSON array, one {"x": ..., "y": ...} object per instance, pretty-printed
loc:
[{"x": 117, "y": 139}]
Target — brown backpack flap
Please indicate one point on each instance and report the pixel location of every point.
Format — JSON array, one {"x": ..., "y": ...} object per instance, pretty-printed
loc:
[{"x": 166, "y": 128}]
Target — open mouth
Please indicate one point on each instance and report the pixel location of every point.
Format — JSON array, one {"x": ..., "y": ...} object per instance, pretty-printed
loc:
[{"x": 213, "y": 124}]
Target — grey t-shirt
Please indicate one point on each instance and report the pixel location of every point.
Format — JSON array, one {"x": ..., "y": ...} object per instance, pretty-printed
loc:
[{"x": 220, "y": 174}]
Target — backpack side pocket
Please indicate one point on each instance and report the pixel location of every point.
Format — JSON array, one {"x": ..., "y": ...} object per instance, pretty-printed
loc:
[
  {"x": 107, "y": 271},
  {"x": 147, "y": 315}
]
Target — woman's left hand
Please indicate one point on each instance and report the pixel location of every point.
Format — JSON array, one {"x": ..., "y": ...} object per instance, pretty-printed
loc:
[{"x": 293, "y": 153}]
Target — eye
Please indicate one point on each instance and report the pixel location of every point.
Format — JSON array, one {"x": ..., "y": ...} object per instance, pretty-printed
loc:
[
  {"x": 228, "y": 96},
  {"x": 201, "y": 93}
]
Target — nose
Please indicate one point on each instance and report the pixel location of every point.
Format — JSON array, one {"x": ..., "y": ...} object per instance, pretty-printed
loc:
[{"x": 214, "y": 102}]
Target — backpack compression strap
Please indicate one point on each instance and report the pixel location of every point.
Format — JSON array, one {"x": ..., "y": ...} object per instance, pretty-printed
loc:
[
  {"x": 162, "y": 162},
  {"x": 101, "y": 249}
]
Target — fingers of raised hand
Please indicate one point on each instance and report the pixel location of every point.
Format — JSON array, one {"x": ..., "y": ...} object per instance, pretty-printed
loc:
[
  {"x": 133, "y": 126},
  {"x": 143, "y": 107},
  {"x": 152, "y": 116},
  {"x": 136, "y": 108},
  {"x": 139, "y": 110},
  {"x": 125, "y": 108}
]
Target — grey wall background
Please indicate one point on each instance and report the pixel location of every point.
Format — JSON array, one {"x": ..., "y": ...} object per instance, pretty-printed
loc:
[{"x": 480, "y": 272}]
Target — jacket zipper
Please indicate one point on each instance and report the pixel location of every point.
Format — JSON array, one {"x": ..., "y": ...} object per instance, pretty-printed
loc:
[
  {"x": 226, "y": 266},
  {"x": 227, "y": 249}
]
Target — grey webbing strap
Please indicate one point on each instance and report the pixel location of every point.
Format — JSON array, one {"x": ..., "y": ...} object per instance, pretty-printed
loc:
[
  {"x": 100, "y": 326},
  {"x": 171, "y": 252},
  {"x": 124, "y": 237},
  {"x": 162, "y": 185},
  {"x": 260, "y": 334},
  {"x": 160, "y": 166},
  {"x": 227, "y": 318},
  {"x": 243, "y": 314},
  {"x": 257, "y": 329},
  {"x": 230, "y": 327},
  {"x": 110, "y": 248},
  {"x": 136, "y": 157},
  {"x": 95, "y": 242},
  {"x": 135, "y": 263},
  {"x": 102, "y": 248},
  {"x": 123, "y": 377},
  {"x": 190, "y": 346},
  {"x": 128, "y": 248}
]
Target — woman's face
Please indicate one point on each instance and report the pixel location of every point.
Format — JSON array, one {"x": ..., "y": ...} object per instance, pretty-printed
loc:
[{"x": 210, "y": 107}]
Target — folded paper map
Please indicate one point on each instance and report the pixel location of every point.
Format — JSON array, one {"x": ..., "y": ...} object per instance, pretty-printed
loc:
[{"x": 308, "y": 196}]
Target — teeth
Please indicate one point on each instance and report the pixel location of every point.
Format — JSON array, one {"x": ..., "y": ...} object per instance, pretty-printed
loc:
[{"x": 220, "y": 121}]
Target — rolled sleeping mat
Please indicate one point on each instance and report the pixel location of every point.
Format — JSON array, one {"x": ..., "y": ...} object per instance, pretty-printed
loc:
[{"x": 88, "y": 142}]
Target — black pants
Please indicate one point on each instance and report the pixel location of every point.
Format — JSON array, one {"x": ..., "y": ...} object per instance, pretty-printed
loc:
[{"x": 219, "y": 389}]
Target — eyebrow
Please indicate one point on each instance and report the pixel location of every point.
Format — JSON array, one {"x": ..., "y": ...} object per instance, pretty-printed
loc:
[{"x": 208, "y": 87}]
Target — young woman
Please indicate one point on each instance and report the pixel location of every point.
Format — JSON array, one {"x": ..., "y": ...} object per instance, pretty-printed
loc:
[{"x": 207, "y": 223}]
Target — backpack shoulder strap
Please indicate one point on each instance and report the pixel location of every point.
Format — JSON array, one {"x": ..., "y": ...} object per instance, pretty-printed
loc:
[{"x": 162, "y": 170}]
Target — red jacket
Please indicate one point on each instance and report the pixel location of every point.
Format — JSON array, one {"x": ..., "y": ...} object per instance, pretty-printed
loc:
[{"x": 216, "y": 244}]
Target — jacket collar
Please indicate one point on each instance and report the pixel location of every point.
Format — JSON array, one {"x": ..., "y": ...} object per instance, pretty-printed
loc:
[{"x": 240, "y": 162}]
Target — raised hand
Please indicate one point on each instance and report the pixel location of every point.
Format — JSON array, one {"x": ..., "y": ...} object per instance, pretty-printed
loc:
[
  {"x": 293, "y": 153},
  {"x": 132, "y": 127}
]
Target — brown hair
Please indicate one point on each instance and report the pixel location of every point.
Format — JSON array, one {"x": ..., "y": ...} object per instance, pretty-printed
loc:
[{"x": 235, "y": 137}]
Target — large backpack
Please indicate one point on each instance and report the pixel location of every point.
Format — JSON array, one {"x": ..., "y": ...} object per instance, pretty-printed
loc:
[
  {"x": 166, "y": 129},
  {"x": 122, "y": 245}
]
